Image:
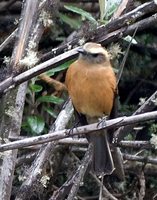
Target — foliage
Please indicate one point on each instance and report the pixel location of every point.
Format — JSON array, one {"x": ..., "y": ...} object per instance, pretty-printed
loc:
[
  {"x": 44, "y": 102},
  {"x": 35, "y": 124},
  {"x": 42, "y": 105},
  {"x": 38, "y": 104},
  {"x": 83, "y": 13}
]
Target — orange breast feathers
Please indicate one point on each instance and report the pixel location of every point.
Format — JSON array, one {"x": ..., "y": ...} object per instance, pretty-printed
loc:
[{"x": 91, "y": 87}]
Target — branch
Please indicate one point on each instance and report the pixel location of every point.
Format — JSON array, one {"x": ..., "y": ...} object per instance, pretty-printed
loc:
[
  {"x": 142, "y": 183},
  {"x": 105, "y": 191},
  {"x": 122, "y": 32},
  {"x": 136, "y": 144},
  {"x": 143, "y": 159},
  {"x": 28, "y": 158},
  {"x": 123, "y": 21},
  {"x": 146, "y": 107},
  {"x": 53, "y": 136},
  {"x": 104, "y": 34},
  {"x": 83, "y": 141},
  {"x": 11, "y": 82},
  {"x": 8, "y": 40},
  {"x": 44, "y": 154},
  {"x": 135, "y": 168},
  {"x": 81, "y": 172},
  {"x": 14, "y": 81},
  {"x": 72, "y": 185},
  {"x": 121, "y": 8},
  {"x": 13, "y": 101},
  {"x": 57, "y": 85},
  {"x": 6, "y": 5},
  {"x": 127, "y": 19}
]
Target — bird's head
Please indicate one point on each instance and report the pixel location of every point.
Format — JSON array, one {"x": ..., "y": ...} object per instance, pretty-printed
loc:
[{"x": 93, "y": 53}]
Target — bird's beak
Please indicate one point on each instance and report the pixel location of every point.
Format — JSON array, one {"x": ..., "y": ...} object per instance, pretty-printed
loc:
[{"x": 81, "y": 50}]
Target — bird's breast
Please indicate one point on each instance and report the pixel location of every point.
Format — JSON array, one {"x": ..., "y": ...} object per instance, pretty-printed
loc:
[{"x": 91, "y": 89}]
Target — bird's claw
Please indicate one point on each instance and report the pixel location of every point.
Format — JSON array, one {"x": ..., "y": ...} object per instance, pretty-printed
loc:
[
  {"x": 102, "y": 122},
  {"x": 72, "y": 128}
]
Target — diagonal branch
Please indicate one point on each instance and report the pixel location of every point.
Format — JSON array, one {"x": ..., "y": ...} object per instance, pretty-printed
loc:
[
  {"x": 72, "y": 185},
  {"x": 149, "y": 105},
  {"x": 33, "y": 176}
]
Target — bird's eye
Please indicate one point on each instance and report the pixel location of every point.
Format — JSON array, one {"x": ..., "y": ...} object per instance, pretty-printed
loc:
[{"x": 95, "y": 55}]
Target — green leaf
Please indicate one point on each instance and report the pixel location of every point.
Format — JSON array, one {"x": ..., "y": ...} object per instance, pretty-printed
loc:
[
  {"x": 50, "y": 112},
  {"x": 62, "y": 67},
  {"x": 50, "y": 99},
  {"x": 36, "y": 124},
  {"x": 111, "y": 10},
  {"x": 60, "y": 38},
  {"x": 73, "y": 23},
  {"x": 35, "y": 87},
  {"x": 102, "y": 5},
  {"x": 81, "y": 12}
]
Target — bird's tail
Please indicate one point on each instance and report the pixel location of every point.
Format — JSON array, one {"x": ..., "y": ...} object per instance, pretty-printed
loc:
[
  {"x": 102, "y": 162},
  {"x": 102, "y": 158}
]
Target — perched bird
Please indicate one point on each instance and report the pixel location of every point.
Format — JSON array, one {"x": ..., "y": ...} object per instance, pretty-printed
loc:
[{"x": 91, "y": 84}]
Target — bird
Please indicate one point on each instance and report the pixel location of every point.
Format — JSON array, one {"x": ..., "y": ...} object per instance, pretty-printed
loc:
[{"x": 91, "y": 84}]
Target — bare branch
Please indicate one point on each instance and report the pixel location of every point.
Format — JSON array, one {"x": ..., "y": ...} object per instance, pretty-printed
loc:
[
  {"x": 106, "y": 193},
  {"x": 123, "y": 21},
  {"x": 136, "y": 144},
  {"x": 72, "y": 185},
  {"x": 122, "y": 32},
  {"x": 13, "y": 102},
  {"x": 142, "y": 182},
  {"x": 13, "y": 81},
  {"x": 46, "y": 150},
  {"x": 135, "y": 168},
  {"x": 140, "y": 159},
  {"x": 83, "y": 141},
  {"x": 149, "y": 105},
  {"x": 121, "y": 8},
  {"x": 81, "y": 172},
  {"x": 8, "y": 40},
  {"x": 53, "y": 136}
]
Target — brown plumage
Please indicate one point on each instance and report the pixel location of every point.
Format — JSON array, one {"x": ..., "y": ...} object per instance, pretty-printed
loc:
[{"x": 91, "y": 84}]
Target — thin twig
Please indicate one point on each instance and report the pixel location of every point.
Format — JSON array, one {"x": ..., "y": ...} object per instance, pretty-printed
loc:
[
  {"x": 81, "y": 172},
  {"x": 58, "y": 86},
  {"x": 8, "y": 40},
  {"x": 72, "y": 184},
  {"x": 121, "y": 68},
  {"x": 106, "y": 193}
]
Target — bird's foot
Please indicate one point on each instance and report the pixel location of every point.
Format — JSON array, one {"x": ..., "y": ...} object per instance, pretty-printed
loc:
[
  {"x": 73, "y": 127},
  {"x": 102, "y": 122},
  {"x": 101, "y": 186}
]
